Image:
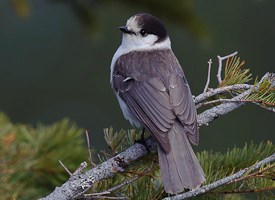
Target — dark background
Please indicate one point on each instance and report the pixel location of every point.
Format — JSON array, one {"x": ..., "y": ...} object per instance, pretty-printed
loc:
[{"x": 55, "y": 57}]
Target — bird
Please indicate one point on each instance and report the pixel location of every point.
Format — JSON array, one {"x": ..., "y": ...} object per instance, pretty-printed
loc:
[{"x": 153, "y": 94}]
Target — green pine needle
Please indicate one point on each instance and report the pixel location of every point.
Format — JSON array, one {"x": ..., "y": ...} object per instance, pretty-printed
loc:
[
  {"x": 29, "y": 166},
  {"x": 265, "y": 94},
  {"x": 234, "y": 72}
]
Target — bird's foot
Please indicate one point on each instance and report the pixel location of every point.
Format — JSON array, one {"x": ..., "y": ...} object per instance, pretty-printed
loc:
[{"x": 143, "y": 141}]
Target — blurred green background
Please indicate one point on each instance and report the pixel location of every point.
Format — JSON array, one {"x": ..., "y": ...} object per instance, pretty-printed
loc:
[{"x": 55, "y": 57}]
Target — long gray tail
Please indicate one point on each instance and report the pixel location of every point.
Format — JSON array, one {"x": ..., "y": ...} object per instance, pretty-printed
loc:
[{"x": 179, "y": 168}]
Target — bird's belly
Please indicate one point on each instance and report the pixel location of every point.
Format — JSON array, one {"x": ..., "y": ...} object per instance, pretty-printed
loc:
[{"x": 128, "y": 114}]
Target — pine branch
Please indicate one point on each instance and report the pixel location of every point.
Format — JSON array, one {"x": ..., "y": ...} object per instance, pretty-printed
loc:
[
  {"x": 77, "y": 185},
  {"x": 29, "y": 162},
  {"x": 264, "y": 95},
  {"x": 261, "y": 93},
  {"x": 226, "y": 107},
  {"x": 212, "y": 92}
]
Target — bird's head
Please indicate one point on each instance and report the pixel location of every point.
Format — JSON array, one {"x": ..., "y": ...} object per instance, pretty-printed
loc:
[{"x": 144, "y": 32}]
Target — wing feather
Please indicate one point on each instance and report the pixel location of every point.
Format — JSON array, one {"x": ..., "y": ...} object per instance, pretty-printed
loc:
[
  {"x": 183, "y": 106},
  {"x": 156, "y": 92},
  {"x": 160, "y": 113},
  {"x": 150, "y": 103}
]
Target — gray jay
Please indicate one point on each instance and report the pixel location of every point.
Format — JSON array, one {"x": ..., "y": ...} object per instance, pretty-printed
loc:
[{"x": 153, "y": 93}]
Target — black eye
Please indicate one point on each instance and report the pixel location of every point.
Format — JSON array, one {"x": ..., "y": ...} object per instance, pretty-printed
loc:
[{"x": 143, "y": 32}]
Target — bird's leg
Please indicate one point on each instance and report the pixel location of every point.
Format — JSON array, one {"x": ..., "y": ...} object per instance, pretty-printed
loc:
[
  {"x": 143, "y": 142},
  {"x": 142, "y": 135}
]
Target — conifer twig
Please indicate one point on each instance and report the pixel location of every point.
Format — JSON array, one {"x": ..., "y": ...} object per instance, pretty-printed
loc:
[
  {"x": 220, "y": 59},
  {"x": 89, "y": 148},
  {"x": 212, "y": 92},
  {"x": 223, "y": 181},
  {"x": 124, "y": 183},
  {"x": 271, "y": 109},
  {"x": 246, "y": 191},
  {"x": 255, "y": 174},
  {"x": 216, "y": 101},
  {"x": 104, "y": 197},
  {"x": 220, "y": 100},
  {"x": 127, "y": 182},
  {"x": 66, "y": 169},
  {"x": 208, "y": 75},
  {"x": 224, "y": 108}
]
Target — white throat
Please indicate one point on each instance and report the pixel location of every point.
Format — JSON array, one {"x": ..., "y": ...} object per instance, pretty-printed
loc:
[
  {"x": 128, "y": 44},
  {"x": 132, "y": 42}
]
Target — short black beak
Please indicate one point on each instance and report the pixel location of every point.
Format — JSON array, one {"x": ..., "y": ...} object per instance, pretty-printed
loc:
[{"x": 124, "y": 29}]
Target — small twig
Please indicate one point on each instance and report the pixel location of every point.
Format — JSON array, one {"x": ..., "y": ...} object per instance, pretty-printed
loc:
[
  {"x": 104, "y": 197},
  {"x": 80, "y": 169},
  {"x": 220, "y": 59},
  {"x": 228, "y": 179},
  {"x": 212, "y": 92},
  {"x": 124, "y": 183},
  {"x": 66, "y": 169},
  {"x": 89, "y": 148},
  {"x": 216, "y": 101},
  {"x": 208, "y": 75},
  {"x": 202, "y": 97},
  {"x": 246, "y": 191},
  {"x": 271, "y": 109},
  {"x": 97, "y": 194},
  {"x": 222, "y": 109},
  {"x": 127, "y": 182},
  {"x": 259, "y": 102},
  {"x": 255, "y": 174},
  {"x": 138, "y": 173}
]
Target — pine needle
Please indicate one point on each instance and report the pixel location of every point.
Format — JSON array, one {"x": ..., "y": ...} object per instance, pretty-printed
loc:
[
  {"x": 29, "y": 156},
  {"x": 265, "y": 94},
  {"x": 235, "y": 72}
]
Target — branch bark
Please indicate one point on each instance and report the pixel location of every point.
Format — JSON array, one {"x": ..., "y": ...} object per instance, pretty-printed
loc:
[{"x": 78, "y": 184}]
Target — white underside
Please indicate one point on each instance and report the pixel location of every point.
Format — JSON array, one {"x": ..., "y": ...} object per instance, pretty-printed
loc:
[{"x": 127, "y": 113}]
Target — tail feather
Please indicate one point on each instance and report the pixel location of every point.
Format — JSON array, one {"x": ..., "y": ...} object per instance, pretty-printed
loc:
[{"x": 179, "y": 168}]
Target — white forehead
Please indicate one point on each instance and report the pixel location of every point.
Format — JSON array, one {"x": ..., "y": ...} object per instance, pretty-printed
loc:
[{"x": 132, "y": 24}]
